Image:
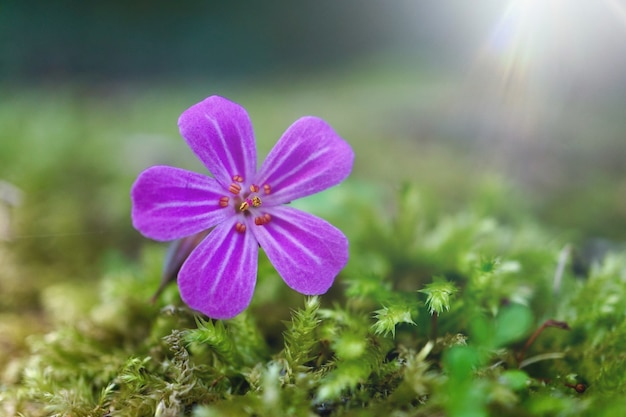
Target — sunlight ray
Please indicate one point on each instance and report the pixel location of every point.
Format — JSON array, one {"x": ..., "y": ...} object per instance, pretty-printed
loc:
[{"x": 619, "y": 9}]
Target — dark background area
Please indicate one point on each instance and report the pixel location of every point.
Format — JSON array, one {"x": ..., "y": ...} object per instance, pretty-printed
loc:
[{"x": 127, "y": 40}]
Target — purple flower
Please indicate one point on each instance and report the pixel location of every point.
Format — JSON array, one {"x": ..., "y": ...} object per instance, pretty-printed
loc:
[{"x": 246, "y": 207}]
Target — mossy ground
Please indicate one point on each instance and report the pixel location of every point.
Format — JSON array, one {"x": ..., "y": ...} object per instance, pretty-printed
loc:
[{"x": 448, "y": 278}]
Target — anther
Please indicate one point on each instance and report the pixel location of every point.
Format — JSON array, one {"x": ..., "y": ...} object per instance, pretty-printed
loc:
[
  {"x": 234, "y": 188},
  {"x": 237, "y": 178},
  {"x": 262, "y": 220},
  {"x": 254, "y": 188},
  {"x": 244, "y": 206},
  {"x": 256, "y": 201},
  {"x": 240, "y": 227},
  {"x": 224, "y": 201},
  {"x": 267, "y": 189}
]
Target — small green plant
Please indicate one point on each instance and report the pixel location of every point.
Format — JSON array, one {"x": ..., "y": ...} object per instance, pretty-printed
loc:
[
  {"x": 438, "y": 312},
  {"x": 374, "y": 353}
]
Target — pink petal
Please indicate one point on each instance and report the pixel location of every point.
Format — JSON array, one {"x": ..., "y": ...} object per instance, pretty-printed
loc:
[
  {"x": 219, "y": 276},
  {"x": 308, "y": 158},
  {"x": 220, "y": 134},
  {"x": 307, "y": 251},
  {"x": 170, "y": 203}
]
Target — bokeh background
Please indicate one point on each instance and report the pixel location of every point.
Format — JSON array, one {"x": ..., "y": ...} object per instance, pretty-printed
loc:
[{"x": 521, "y": 98}]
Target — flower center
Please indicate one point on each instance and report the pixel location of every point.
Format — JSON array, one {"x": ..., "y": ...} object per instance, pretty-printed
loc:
[
  {"x": 255, "y": 201},
  {"x": 244, "y": 200}
]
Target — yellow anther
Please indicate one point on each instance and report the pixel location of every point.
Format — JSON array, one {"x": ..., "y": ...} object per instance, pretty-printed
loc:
[{"x": 254, "y": 202}]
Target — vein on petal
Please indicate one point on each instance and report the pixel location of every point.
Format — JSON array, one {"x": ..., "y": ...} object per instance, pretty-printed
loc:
[
  {"x": 291, "y": 237},
  {"x": 227, "y": 258},
  {"x": 185, "y": 204},
  {"x": 299, "y": 166},
  {"x": 220, "y": 134}
]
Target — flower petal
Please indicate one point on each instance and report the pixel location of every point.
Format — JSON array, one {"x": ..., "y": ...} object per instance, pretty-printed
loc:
[
  {"x": 219, "y": 276},
  {"x": 170, "y": 203},
  {"x": 308, "y": 158},
  {"x": 307, "y": 251},
  {"x": 220, "y": 133}
]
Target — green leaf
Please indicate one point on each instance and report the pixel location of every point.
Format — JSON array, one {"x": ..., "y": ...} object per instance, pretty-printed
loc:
[{"x": 512, "y": 324}]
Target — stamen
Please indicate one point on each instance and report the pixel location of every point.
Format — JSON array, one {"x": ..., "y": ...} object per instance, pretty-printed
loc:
[
  {"x": 254, "y": 188},
  {"x": 267, "y": 188},
  {"x": 224, "y": 201},
  {"x": 240, "y": 227},
  {"x": 237, "y": 178},
  {"x": 262, "y": 220},
  {"x": 254, "y": 202},
  {"x": 234, "y": 188}
]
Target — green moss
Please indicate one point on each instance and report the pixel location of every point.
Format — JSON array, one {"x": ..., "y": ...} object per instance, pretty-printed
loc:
[
  {"x": 368, "y": 354},
  {"x": 430, "y": 317}
]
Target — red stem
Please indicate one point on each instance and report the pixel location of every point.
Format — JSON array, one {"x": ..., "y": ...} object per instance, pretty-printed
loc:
[{"x": 535, "y": 335}]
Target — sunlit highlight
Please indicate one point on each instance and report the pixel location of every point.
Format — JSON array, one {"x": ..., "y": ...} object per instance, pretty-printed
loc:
[
  {"x": 544, "y": 41},
  {"x": 541, "y": 52},
  {"x": 619, "y": 9}
]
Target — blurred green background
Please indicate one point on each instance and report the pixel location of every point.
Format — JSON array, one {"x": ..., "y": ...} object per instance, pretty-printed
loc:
[{"x": 491, "y": 98}]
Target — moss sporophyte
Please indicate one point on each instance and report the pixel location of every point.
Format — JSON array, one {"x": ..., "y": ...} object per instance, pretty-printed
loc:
[{"x": 245, "y": 208}]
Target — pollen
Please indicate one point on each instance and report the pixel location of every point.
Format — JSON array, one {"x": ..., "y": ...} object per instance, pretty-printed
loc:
[
  {"x": 262, "y": 220},
  {"x": 267, "y": 189},
  {"x": 254, "y": 188},
  {"x": 224, "y": 201},
  {"x": 240, "y": 227},
  {"x": 254, "y": 202},
  {"x": 237, "y": 178},
  {"x": 234, "y": 188}
]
